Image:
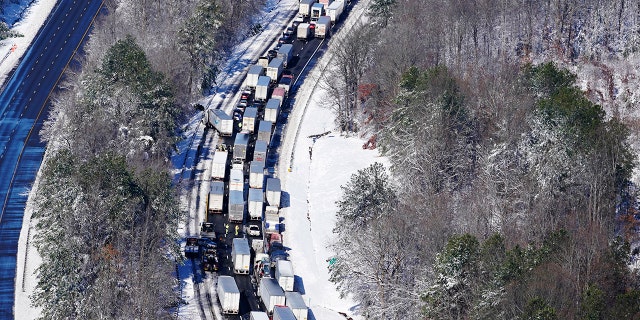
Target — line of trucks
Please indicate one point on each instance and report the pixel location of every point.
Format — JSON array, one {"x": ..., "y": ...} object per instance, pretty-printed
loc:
[{"x": 255, "y": 191}]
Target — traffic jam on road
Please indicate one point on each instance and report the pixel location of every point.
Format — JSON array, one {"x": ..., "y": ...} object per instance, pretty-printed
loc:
[{"x": 241, "y": 241}]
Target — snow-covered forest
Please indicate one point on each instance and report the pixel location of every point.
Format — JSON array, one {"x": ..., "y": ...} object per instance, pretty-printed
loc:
[
  {"x": 510, "y": 193},
  {"x": 107, "y": 213}
]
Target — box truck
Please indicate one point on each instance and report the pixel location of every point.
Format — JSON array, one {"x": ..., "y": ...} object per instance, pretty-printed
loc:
[
  {"x": 280, "y": 92},
  {"x": 236, "y": 206},
  {"x": 228, "y": 294},
  {"x": 283, "y": 313},
  {"x": 256, "y": 203},
  {"x": 304, "y": 31},
  {"x": 270, "y": 293},
  {"x": 334, "y": 10},
  {"x": 256, "y": 174},
  {"x": 305, "y": 7},
  {"x": 236, "y": 180},
  {"x": 273, "y": 192},
  {"x": 264, "y": 131},
  {"x": 219, "y": 165},
  {"x": 285, "y": 83},
  {"x": 255, "y": 71},
  {"x": 274, "y": 70},
  {"x": 285, "y": 53},
  {"x": 260, "y": 151},
  {"x": 323, "y": 27},
  {"x": 284, "y": 274},
  {"x": 296, "y": 303},
  {"x": 249, "y": 119},
  {"x": 258, "y": 315},
  {"x": 219, "y": 120},
  {"x": 216, "y": 197},
  {"x": 241, "y": 255},
  {"x": 262, "y": 88},
  {"x": 271, "y": 110},
  {"x": 240, "y": 146},
  {"x": 317, "y": 10},
  {"x": 263, "y": 61}
]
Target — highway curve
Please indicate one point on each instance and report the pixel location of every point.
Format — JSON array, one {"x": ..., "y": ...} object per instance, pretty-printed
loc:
[{"x": 23, "y": 108}]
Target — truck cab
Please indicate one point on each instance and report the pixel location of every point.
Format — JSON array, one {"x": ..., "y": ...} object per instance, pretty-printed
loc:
[{"x": 207, "y": 230}]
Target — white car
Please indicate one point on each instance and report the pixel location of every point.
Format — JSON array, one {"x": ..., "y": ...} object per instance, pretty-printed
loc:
[{"x": 253, "y": 230}]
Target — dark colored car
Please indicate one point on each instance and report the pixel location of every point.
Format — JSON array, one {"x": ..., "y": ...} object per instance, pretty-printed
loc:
[
  {"x": 272, "y": 54},
  {"x": 286, "y": 38},
  {"x": 210, "y": 262},
  {"x": 237, "y": 115},
  {"x": 207, "y": 230}
]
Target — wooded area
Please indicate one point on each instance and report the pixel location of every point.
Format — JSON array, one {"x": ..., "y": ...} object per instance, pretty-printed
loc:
[
  {"x": 106, "y": 210},
  {"x": 508, "y": 182}
]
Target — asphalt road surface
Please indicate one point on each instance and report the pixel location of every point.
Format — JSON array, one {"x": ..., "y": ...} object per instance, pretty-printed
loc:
[{"x": 23, "y": 108}]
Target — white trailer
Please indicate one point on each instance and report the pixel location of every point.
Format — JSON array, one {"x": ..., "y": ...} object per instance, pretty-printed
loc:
[
  {"x": 236, "y": 180},
  {"x": 317, "y": 10},
  {"x": 255, "y": 71},
  {"x": 274, "y": 69},
  {"x": 262, "y": 88},
  {"x": 260, "y": 151},
  {"x": 304, "y": 31},
  {"x": 285, "y": 83},
  {"x": 305, "y": 7},
  {"x": 270, "y": 293},
  {"x": 334, "y": 10},
  {"x": 264, "y": 131},
  {"x": 256, "y": 174},
  {"x": 285, "y": 53},
  {"x": 240, "y": 147},
  {"x": 249, "y": 119},
  {"x": 273, "y": 192},
  {"x": 271, "y": 220},
  {"x": 256, "y": 203},
  {"x": 323, "y": 27},
  {"x": 228, "y": 294},
  {"x": 280, "y": 92},
  {"x": 258, "y": 315},
  {"x": 241, "y": 255},
  {"x": 295, "y": 302},
  {"x": 236, "y": 206},
  {"x": 284, "y": 274},
  {"x": 263, "y": 61},
  {"x": 216, "y": 197},
  {"x": 283, "y": 313},
  {"x": 219, "y": 120},
  {"x": 219, "y": 165},
  {"x": 271, "y": 110}
]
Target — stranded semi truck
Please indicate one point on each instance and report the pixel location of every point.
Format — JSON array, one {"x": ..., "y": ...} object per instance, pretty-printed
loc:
[
  {"x": 323, "y": 27},
  {"x": 216, "y": 197},
  {"x": 241, "y": 256},
  {"x": 219, "y": 120},
  {"x": 236, "y": 206},
  {"x": 219, "y": 165},
  {"x": 228, "y": 294}
]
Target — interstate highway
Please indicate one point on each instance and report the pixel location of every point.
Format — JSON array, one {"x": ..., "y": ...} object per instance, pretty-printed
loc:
[{"x": 23, "y": 108}]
